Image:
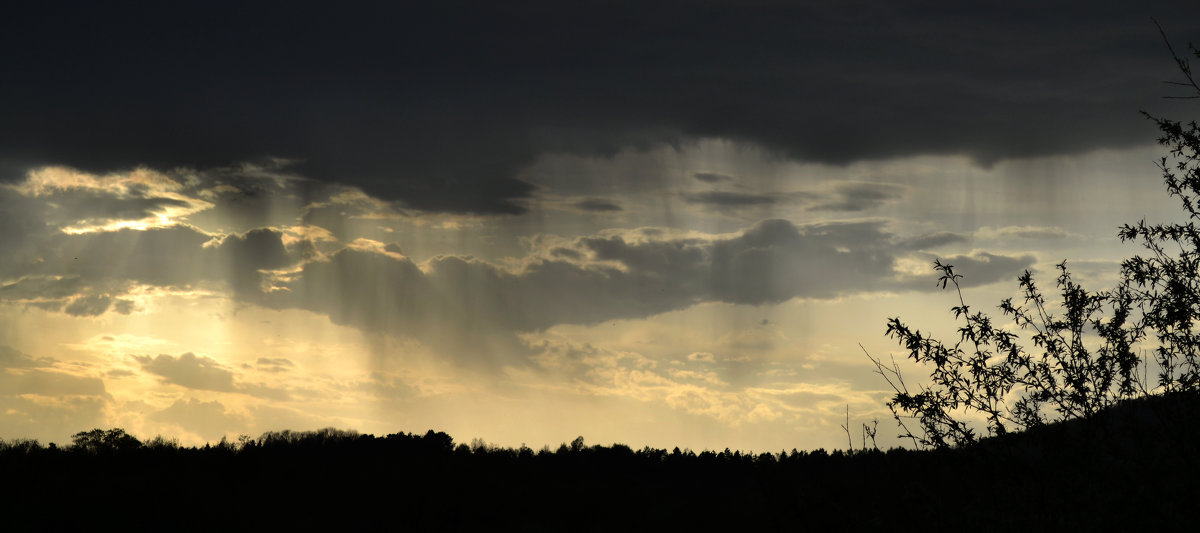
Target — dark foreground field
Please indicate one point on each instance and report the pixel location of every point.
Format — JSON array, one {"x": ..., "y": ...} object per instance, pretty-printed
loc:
[{"x": 1134, "y": 466}]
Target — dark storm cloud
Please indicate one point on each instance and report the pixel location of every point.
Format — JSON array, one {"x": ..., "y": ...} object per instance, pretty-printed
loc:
[
  {"x": 598, "y": 205},
  {"x": 438, "y": 105}
]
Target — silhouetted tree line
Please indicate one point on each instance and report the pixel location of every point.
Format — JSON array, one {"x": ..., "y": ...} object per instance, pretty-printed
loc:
[{"x": 1129, "y": 465}]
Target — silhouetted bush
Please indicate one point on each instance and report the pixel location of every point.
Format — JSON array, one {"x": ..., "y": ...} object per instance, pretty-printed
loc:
[{"x": 1084, "y": 356}]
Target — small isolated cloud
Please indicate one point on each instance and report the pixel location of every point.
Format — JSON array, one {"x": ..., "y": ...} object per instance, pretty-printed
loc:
[
  {"x": 713, "y": 177},
  {"x": 727, "y": 199},
  {"x": 1025, "y": 232},
  {"x": 205, "y": 373},
  {"x": 597, "y": 205},
  {"x": 190, "y": 371},
  {"x": 931, "y": 240},
  {"x": 94, "y": 305},
  {"x": 849, "y": 197},
  {"x": 274, "y": 364},
  {"x": 566, "y": 253},
  {"x": 859, "y": 197}
]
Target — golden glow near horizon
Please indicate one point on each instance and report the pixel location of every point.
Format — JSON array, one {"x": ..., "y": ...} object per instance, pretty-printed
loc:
[{"x": 704, "y": 313}]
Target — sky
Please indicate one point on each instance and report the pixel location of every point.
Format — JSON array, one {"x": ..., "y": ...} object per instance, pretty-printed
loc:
[{"x": 654, "y": 223}]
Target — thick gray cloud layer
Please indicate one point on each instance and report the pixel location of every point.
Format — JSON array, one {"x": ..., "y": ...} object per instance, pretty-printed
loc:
[
  {"x": 461, "y": 305},
  {"x": 89, "y": 272},
  {"x": 465, "y": 306},
  {"x": 458, "y": 305},
  {"x": 438, "y": 105}
]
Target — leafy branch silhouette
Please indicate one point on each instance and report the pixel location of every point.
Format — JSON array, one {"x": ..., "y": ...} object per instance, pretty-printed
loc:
[
  {"x": 1084, "y": 357},
  {"x": 987, "y": 371}
]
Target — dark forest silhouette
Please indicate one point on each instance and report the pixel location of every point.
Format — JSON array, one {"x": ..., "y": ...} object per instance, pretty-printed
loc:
[{"x": 1130, "y": 464}]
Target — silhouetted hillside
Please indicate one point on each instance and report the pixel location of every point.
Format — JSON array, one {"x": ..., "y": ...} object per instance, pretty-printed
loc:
[{"x": 1131, "y": 465}]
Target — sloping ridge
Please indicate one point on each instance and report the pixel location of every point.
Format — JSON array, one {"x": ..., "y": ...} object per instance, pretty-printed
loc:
[
  {"x": 1131, "y": 465},
  {"x": 1154, "y": 426}
]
